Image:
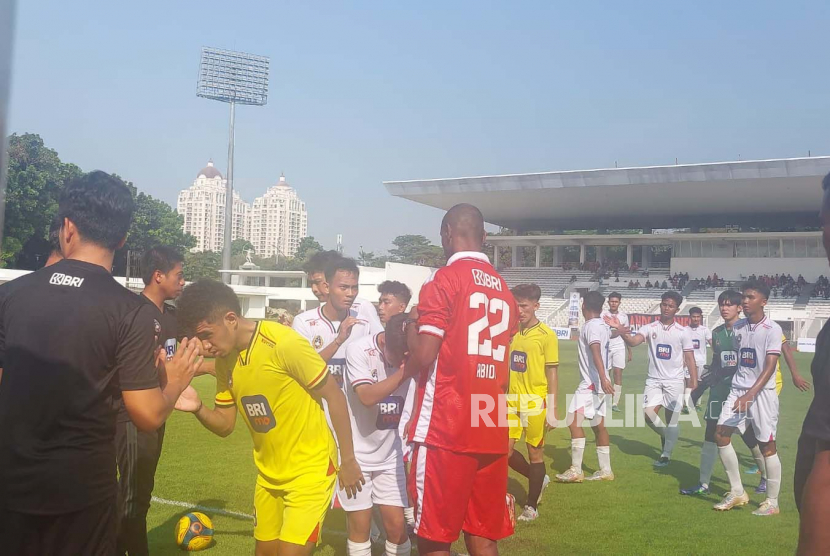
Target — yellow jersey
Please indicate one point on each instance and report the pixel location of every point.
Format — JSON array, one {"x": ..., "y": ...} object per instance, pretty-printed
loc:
[
  {"x": 779, "y": 376},
  {"x": 530, "y": 351},
  {"x": 270, "y": 383}
]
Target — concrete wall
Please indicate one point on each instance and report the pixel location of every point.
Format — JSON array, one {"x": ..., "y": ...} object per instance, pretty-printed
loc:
[
  {"x": 411, "y": 275},
  {"x": 736, "y": 269}
]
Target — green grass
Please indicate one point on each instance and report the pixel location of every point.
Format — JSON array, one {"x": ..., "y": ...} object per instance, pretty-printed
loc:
[{"x": 639, "y": 513}]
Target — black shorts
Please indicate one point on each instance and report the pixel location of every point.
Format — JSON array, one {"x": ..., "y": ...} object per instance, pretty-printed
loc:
[{"x": 91, "y": 532}]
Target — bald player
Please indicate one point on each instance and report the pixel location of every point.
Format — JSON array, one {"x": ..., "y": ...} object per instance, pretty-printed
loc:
[{"x": 459, "y": 348}]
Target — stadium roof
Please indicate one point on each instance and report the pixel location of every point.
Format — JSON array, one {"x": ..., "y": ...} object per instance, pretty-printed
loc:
[{"x": 757, "y": 193}]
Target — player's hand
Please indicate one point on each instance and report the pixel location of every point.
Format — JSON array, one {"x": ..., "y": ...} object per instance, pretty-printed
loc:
[
  {"x": 183, "y": 365},
  {"x": 630, "y": 356},
  {"x": 742, "y": 404},
  {"x": 800, "y": 383},
  {"x": 693, "y": 384},
  {"x": 413, "y": 313},
  {"x": 607, "y": 387},
  {"x": 189, "y": 401},
  {"x": 351, "y": 478},
  {"x": 346, "y": 329},
  {"x": 612, "y": 321}
]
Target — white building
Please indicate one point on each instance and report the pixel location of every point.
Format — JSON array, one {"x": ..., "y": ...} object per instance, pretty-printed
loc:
[
  {"x": 279, "y": 221},
  {"x": 203, "y": 207}
]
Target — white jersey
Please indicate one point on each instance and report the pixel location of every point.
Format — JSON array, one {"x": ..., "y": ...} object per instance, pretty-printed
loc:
[
  {"x": 617, "y": 344},
  {"x": 320, "y": 332},
  {"x": 595, "y": 331},
  {"x": 666, "y": 345},
  {"x": 377, "y": 441},
  {"x": 701, "y": 337},
  {"x": 754, "y": 343}
]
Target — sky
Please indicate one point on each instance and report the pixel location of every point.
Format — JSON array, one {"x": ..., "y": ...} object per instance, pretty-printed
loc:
[{"x": 363, "y": 92}]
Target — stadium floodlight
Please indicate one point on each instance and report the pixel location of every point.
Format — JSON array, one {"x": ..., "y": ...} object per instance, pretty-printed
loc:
[{"x": 235, "y": 78}]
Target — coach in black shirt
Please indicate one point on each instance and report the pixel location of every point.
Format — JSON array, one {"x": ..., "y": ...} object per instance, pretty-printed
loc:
[
  {"x": 812, "y": 465},
  {"x": 71, "y": 338}
]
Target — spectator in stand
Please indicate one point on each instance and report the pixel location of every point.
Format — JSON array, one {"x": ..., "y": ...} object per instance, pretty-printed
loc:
[
  {"x": 648, "y": 284},
  {"x": 664, "y": 286}
]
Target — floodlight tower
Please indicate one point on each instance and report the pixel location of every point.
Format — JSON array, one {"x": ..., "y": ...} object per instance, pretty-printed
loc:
[{"x": 235, "y": 78}]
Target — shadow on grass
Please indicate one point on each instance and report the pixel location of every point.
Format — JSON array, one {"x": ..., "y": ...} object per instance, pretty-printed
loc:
[
  {"x": 685, "y": 473},
  {"x": 560, "y": 458}
]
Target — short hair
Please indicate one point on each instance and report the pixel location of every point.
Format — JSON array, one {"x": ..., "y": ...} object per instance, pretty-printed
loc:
[
  {"x": 756, "y": 285},
  {"x": 593, "y": 300},
  {"x": 696, "y": 311},
  {"x": 205, "y": 301},
  {"x": 161, "y": 258},
  {"x": 616, "y": 295},
  {"x": 101, "y": 206},
  {"x": 396, "y": 333},
  {"x": 674, "y": 296},
  {"x": 340, "y": 263},
  {"x": 530, "y": 292},
  {"x": 398, "y": 289},
  {"x": 318, "y": 261},
  {"x": 55, "y": 235},
  {"x": 733, "y": 297}
]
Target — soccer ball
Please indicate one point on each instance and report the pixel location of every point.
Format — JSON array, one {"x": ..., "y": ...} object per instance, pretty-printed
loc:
[{"x": 194, "y": 531}]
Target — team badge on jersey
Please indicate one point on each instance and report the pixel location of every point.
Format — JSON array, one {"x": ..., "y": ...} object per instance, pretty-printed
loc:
[
  {"x": 337, "y": 368},
  {"x": 389, "y": 413},
  {"x": 317, "y": 342},
  {"x": 518, "y": 361},
  {"x": 663, "y": 351},
  {"x": 654, "y": 335},
  {"x": 749, "y": 358},
  {"x": 259, "y": 413}
]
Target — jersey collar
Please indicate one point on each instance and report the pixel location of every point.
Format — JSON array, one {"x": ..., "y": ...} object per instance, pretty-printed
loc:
[
  {"x": 468, "y": 255},
  {"x": 754, "y": 327}
]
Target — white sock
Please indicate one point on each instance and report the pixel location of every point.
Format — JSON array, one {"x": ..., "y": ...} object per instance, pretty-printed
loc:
[
  {"x": 359, "y": 548},
  {"x": 773, "y": 477},
  {"x": 708, "y": 455},
  {"x": 577, "y": 450},
  {"x": 604, "y": 457},
  {"x": 687, "y": 398},
  {"x": 759, "y": 460},
  {"x": 672, "y": 434},
  {"x": 733, "y": 469},
  {"x": 409, "y": 516},
  {"x": 617, "y": 393},
  {"x": 404, "y": 549}
]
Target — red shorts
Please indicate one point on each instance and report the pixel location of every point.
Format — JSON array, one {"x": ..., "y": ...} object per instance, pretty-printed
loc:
[{"x": 453, "y": 491}]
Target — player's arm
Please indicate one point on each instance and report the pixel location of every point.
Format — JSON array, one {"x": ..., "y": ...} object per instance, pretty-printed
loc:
[
  {"x": 629, "y": 352},
  {"x": 599, "y": 363},
  {"x": 208, "y": 368},
  {"x": 220, "y": 421},
  {"x": 351, "y": 477},
  {"x": 789, "y": 359},
  {"x": 691, "y": 364},
  {"x": 770, "y": 363},
  {"x": 814, "y": 535},
  {"x": 342, "y": 335},
  {"x": 552, "y": 374},
  {"x": 372, "y": 394}
]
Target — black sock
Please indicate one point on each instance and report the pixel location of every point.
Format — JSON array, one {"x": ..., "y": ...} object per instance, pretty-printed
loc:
[
  {"x": 537, "y": 478},
  {"x": 519, "y": 464}
]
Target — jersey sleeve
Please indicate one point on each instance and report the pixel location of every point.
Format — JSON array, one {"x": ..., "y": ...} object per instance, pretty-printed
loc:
[
  {"x": 773, "y": 345},
  {"x": 623, "y": 318},
  {"x": 435, "y": 305},
  {"x": 357, "y": 366},
  {"x": 686, "y": 339},
  {"x": 551, "y": 349},
  {"x": 595, "y": 335},
  {"x": 224, "y": 370},
  {"x": 300, "y": 361},
  {"x": 135, "y": 362},
  {"x": 301, "y": 327},
  {"x": 643, "y": 331}
]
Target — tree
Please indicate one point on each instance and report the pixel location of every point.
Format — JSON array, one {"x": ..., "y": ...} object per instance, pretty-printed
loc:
[
  {"x": 307, "y": 247},
  {"x": 36, "y": 176},
  {"x": 241, "y": 246},
  {"x": 204, "y": 264},
  {"x": 417, "y": 250},
  {"x": 368, "y": 258}
]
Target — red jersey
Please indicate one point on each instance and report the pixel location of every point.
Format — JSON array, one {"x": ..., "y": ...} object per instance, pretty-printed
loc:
[{"x": 468, "y": 305}]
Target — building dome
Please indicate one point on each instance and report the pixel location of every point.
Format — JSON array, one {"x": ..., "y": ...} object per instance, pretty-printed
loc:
[
  {"x": 209, "y": 172},
  {"x": 282, "y": 182}
]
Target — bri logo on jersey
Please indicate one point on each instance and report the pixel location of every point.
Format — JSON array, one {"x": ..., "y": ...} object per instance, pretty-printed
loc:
[
  {"x": 696, "y": 343},
  {"x": 60, "y": 279},
  {"x": 259, "y": 413},
  {"x": 389, "y": 413},
  {"x": 337, "y": 368},
  {"x": 518, "y": 361},
  {"x": 663, "y": 351},
  {"x": 485, "y": 280},
  {"x": 170, "y": 348},
  {"x": 749, "y": 358}
]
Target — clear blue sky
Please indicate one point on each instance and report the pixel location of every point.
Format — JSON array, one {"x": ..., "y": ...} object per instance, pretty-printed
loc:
[{"x": 366, "y": 92}]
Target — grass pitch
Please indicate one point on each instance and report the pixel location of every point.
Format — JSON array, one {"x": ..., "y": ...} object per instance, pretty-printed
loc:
[{"x": 640, "y": 512}]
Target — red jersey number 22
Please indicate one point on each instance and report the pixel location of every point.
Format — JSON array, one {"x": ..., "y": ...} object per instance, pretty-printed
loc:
[{"x": 485, "y": 348}]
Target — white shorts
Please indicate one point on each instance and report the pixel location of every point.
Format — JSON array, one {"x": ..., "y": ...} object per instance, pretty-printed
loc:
[
  {"x": 386, "y": 487},
  {"x": 617, "y": 359},
  {"x": 665, "y": 393},
  {"x": 588, "y": 402},
  {"x": 762, "y": 414}
]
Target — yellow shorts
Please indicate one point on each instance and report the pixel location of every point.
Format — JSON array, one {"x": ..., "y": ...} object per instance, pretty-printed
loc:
[
  {"x": 293, "y": 516},
  {"x": 527, "y": 415}
]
